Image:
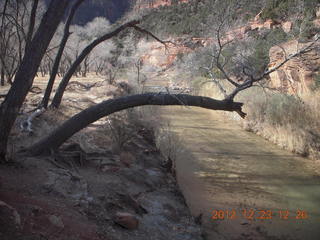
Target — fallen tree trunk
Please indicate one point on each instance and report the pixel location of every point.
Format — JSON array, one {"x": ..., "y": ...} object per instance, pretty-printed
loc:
[{"x": 79, "y": 121}]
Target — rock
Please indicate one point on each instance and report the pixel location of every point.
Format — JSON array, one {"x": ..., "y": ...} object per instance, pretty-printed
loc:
[
  {"x": 126, "y": 220},
  {"x": 287, "y": 26},
  {"x": 318, "y": 13},
  {"x": 10, "y": 221},
  {"x": 127, "y": 159},
  {"x": 297, "y": 75},
  {"x": 56, "y": 221},
  {"x": 316, "y": 22},
  {"x": 12, "y": 214},
  {"x": 68, "y": 185},
  {"x": 129, "y": 201},
  {"x": 268, "y": 24}
]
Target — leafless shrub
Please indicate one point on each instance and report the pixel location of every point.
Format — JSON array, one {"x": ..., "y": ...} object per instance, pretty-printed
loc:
[
  {"x": 168, "y": 143},
  {"x": 121, "y": 131}
]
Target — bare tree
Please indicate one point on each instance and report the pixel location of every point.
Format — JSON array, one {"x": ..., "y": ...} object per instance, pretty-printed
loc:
[
  {"x": 18, "y": 21},
  {"x": 229, "y": 59},
  {"x": 31, "y": 23},
  {"x": 64, "y": 82},
  {"x": 27, "y": 70},
  {"x": 57, "y": 60}
]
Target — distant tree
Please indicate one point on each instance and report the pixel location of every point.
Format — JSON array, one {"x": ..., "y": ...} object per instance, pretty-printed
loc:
[{"x": 86, "y": 51}]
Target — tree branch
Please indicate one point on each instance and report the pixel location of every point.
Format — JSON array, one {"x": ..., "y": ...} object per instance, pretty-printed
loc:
[
  {"x": 139, "y": 29},
  {"x": 54, "y": 140},
  {"x": 32, "y": 23},
  {"x": 85, "y": 52},
  {"x": 251, "y": 80}
]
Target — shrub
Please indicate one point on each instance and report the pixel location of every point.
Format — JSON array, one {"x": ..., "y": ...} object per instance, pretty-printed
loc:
[
  {"x": 120, "y": 129},
  {"x": 285, "y": 109},
  {"x": 307, "y": 30},
  {"x": 276, "y": 9},
  {"x": 282, "y": 9},
  {"x": 316, "y": 85}
]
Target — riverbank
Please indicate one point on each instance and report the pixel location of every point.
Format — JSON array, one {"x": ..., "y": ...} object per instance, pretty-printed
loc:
[{"x": 107, "y": 182}]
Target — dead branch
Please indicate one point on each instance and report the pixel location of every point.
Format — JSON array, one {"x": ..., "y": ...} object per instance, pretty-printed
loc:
[
  {"x": 82, "y": 85},
  {"x": 35, "y": 90},
  {"x": 165, "y": 43}
]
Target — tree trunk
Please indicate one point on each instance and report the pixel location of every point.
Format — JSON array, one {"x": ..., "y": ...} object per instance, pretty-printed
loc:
[
  {"x": 54, "y": 140},
  {"x": 64, "y": 82},
  {"x": 31, "y": 24},
  {"x": 2, "y": 77},
  {"x": 57, "y": 60},
  {"x": 10, "y": 107}
]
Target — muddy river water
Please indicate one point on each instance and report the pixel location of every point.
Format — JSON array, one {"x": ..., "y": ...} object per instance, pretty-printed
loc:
[{"x": 244, "y": 186}]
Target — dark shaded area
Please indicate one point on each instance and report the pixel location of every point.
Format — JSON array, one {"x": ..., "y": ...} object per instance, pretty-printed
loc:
[{"x": 110, "y": 9}]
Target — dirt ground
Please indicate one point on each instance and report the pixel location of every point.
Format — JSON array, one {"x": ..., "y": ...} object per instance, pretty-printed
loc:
[{"x": 77, "y": 193}]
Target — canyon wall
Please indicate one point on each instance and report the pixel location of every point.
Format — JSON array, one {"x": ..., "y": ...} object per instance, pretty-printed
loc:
[{"x": 297, "y": 76}]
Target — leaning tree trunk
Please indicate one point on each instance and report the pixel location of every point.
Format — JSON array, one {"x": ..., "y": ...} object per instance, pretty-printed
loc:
[
  {"x": 10, "y": 107},
  {"x": 64, "y": 82},
  {"x": 54, "y": 140},
  {"x": 57, "y": 60}
]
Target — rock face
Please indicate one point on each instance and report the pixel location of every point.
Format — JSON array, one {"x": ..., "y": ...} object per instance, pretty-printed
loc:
[
  {"x": 158, "y": 56},
  {"x": 297, "y": 75}
]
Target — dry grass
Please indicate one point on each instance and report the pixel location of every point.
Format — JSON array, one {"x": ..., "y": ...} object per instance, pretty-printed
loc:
[
  {"x": 289, "y": 121},
  {"x": 168, "y": 143},
  {"x": 120, "y": 129}
]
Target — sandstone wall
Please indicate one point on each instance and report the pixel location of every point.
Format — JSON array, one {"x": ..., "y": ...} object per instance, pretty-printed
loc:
[{"x": 296, "y": 76}]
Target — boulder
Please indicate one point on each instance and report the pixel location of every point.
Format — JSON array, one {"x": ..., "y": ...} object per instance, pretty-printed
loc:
[
  {"x": 56, "y": 221},
  {"x": 65, "y": 184},
  {"x": 287, "y": 26},
  {"x": 126, "y": 220},
  {"x": 10, "y": 220},
  {"x": 127, "y": 159}
]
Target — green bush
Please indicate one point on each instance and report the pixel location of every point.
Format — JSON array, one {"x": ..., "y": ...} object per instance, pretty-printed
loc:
[
  {"x": 259, "y": 58},
  {"x": 282, "y": 9},
  {"x": 276, "y": 9}
]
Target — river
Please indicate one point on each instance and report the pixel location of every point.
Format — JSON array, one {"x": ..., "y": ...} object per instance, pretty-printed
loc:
[{"x": 245, "y": 186}]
